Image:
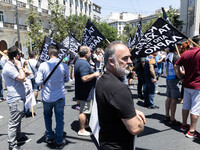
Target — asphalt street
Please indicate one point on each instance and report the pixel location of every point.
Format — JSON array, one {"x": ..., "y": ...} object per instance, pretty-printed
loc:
[{"x": 157, "y": 135}]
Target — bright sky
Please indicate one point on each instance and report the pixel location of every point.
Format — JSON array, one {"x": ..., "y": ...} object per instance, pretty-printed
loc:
[{"x": 145, "y": 7}]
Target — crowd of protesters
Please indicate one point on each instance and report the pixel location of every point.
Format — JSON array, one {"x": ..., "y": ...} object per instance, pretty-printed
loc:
[{"x": 106, "y": 70}]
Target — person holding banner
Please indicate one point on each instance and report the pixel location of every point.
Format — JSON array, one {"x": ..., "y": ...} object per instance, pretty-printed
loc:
[
  {"x": 53, "y": 95},
  {"x": 118, "y": 119},
  {"x": 85, "y": 79},
  {"x": 14, "y": 76},
  {"x": 191, "y": 83}
]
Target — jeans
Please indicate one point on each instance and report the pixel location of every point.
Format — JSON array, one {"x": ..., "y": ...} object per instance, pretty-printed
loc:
[
  {"x": 59, "y": 115},
  {"x": 141, "y": 82},
  {"x": 14, "y": 123},
  {"x": 1, "y": 87},
  {"x": 149, "y": 89}
]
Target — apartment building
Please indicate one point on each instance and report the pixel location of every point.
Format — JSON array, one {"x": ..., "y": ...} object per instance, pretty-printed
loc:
[{"x": 8, "y": 19}]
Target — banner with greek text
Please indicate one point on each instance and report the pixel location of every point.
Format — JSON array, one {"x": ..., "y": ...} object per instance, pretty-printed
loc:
[
  {"x": 158, "y": 37},
  {"x": 92, "y": 37}
]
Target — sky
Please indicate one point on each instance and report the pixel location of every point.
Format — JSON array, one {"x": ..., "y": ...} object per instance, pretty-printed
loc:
[{"x": 145, "y": 7}]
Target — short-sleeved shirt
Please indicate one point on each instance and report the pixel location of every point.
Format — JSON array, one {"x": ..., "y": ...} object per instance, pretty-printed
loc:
[
  {"x": 83, "y": 90},
  {"x": 54, "y": 89},
  {"x": 190, "y": 61},
  {"x": 15, "y": 89},
  {"x": 114, "y": 102}
]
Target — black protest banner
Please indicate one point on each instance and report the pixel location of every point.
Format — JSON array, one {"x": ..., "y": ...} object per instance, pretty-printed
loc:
[
  {"x": 92, "y": 37},
  {"x": 44, "y": 56},
  {"x": 165, "y": 15},
  {"x": 71, "y": 43},
  {"x": 138, "y": 34},
  {"x": 158, "y": 37}
]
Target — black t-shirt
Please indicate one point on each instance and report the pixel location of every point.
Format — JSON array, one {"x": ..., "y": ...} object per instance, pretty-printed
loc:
[
  {"x": 114, "y": 102},
  {"x": 83, "y": 90}
]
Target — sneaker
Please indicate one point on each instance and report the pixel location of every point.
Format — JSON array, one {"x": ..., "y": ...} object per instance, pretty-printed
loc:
[
  {"x": 185, "y": 128},
  {"x": 49, "y": 140},
  {"x": 60, "y": 146},
  {"x": 16, "y": 148},
  {"x": 156, "y": 91},
  {"x": 85, "y": 133},
  {"x": 193, "y": 135},
  {"x": 141, "y": 97},
  {"x": 175, "y": 123}
]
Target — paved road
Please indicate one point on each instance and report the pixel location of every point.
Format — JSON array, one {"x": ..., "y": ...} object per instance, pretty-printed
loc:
[{"x": 156, "y": 136}]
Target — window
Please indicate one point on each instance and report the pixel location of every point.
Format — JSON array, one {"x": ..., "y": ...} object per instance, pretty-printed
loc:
[
  {"x": 85, "y": 8},
  {"x": 1, "y": 16},
  {"x": 64, "y": 2}
]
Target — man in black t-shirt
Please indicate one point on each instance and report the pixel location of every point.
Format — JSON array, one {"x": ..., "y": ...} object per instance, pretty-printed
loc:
[
  {"x": 85, "y": 79},
  {"x": 118, "y": 119}
]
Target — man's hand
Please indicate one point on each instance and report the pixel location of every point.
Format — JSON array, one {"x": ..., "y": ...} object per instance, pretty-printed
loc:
[
  {"x": 17, "y": 63},
  {"x": 141, "y": 116}
]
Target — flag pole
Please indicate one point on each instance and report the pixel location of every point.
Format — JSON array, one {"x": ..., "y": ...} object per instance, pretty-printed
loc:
[
  {"x": 108, "y": 41},
  {"x": 177, "y": 50},
  {"x": 193, "y": 42},
  {"x": 32, "y": 111}
]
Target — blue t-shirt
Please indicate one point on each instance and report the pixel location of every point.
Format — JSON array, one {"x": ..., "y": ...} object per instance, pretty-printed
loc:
[
  {"x": 157, "y": 58},
  {"x": 83, "y": 90}
]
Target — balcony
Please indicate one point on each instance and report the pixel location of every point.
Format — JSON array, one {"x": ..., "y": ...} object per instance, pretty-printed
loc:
[
  {"x": 6, "y": 2},
  {"x": 21, "y": 5}
]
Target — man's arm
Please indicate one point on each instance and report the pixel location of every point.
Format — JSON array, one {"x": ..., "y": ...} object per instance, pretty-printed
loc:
[
  {"x": 21, "y": 77},
  {"x": 135, "y": 125},
  {"x": 152, "y": 73},
  {"x": 89, "y": 77},
  {"x": 177, "y": 71}
]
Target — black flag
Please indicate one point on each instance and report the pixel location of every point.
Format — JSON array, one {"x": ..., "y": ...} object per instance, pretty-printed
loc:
[
  {"x": 138, "y": 34},
  {"x": 71, "y": 43},
  {"x": 92, "y": 37},
  {"x": 159, "y": 36},
  {"x": 44, "y": 56},
  {"x": 165, "y": 15},
  {"x": 129, "y": 41}
]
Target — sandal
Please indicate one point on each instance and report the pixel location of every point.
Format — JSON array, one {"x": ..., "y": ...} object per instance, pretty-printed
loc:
[{"x": 166, "y": 119}]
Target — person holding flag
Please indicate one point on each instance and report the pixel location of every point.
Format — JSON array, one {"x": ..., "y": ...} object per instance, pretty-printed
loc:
[{"x": 53, "y": 95}]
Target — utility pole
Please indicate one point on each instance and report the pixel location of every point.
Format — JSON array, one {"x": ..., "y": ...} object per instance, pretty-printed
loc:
[{"x": 17, "y": 22}]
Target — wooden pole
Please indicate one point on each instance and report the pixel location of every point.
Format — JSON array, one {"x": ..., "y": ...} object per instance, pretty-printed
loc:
[
  {"x": 194, "y": 43},
  {"x": 177, "y": 50},
  {"x": 32, "y": 108},
  {"x": 108, "y": 41}
]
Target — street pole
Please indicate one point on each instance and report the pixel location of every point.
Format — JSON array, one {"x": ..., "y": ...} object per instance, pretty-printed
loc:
[{"x": 17, "y": 22}]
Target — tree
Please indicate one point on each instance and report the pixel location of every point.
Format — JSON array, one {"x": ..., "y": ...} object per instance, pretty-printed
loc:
[
  {"x": 35, "y": 34},
  {"x": 58, "y": 21}
]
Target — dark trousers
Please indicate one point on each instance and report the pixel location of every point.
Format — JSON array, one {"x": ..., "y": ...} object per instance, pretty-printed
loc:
[{"x": 141, "y": 82}]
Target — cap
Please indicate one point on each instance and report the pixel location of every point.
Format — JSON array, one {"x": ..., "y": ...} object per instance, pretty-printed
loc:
[{"x": 5, "y": 51}]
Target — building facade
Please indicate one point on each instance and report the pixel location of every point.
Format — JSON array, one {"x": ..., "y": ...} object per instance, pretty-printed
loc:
[
  {"x": 119, "y": 20},
  {"x": 8, "y": 19},
  {"x": 189, "y": 14}
]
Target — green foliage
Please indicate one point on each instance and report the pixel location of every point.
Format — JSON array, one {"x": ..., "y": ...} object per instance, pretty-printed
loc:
[
  {"x": 58, "y": 21},
  {"x": 35, "y": 34}
]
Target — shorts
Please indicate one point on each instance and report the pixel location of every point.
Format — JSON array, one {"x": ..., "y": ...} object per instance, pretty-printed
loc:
[
  {"x": 173, "y": 89},
  {"x": 191, "y": 101},
  {"x": 86, "y": 106},
  {"x": 34, "y": 85}
]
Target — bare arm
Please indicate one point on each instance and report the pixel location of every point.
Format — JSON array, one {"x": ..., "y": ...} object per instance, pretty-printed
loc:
[
  {"x": 89, "y": 77},
  {"x": 153, "y": 73},
  {"x": 135, "y": 125},
  {"x": 177, "y": 71},
  {"x": 21, "y": 77}
]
